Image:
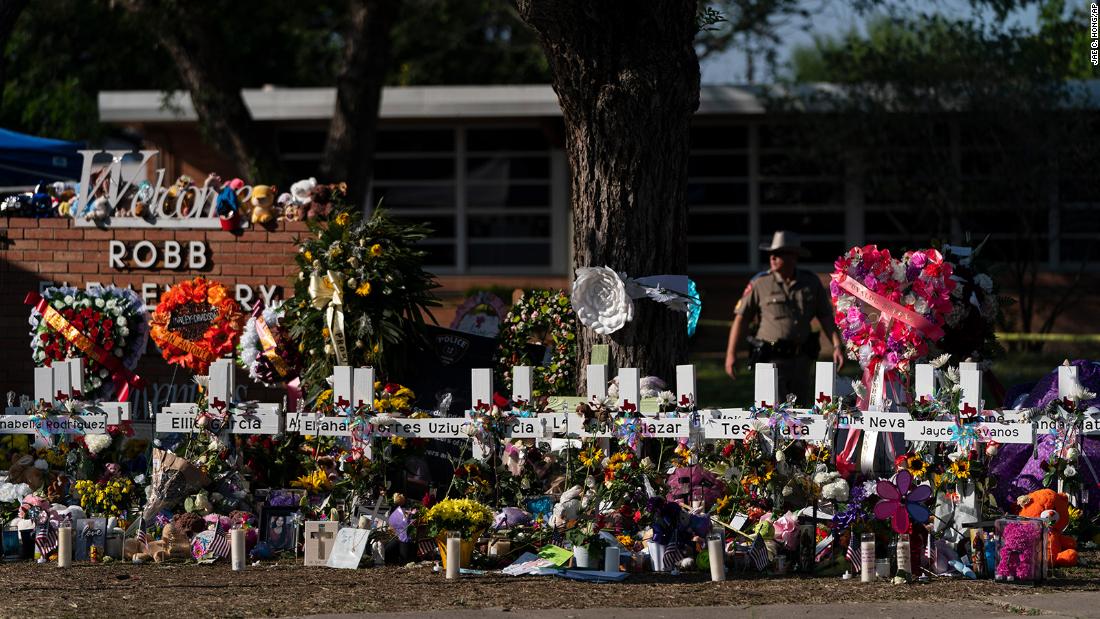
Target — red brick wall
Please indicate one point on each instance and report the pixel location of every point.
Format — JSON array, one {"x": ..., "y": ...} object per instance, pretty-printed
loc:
[{"x": 55, "y": 250}]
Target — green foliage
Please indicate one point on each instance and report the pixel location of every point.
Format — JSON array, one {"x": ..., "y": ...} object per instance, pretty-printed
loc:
[
  {"x": 542, "y": 317},
  {"x": 386, "y": 293}
]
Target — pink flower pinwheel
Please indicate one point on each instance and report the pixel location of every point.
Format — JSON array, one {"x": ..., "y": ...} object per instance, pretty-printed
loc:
[{"x": 902, "y": 502}]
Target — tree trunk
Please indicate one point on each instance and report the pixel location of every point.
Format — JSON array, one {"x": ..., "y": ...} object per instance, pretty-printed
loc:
[
  {"x": 9, "y": 14},
  {"x": 627, "y": 79},
  {"x": 352, "y": 134},
  {"x": 225, "y": 119}
]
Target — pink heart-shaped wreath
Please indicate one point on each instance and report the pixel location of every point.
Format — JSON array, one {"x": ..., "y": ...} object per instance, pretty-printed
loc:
[{"x": 911, "y": 296}]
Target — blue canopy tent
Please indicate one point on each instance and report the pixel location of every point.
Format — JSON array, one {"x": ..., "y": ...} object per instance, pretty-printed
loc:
[{"x": 26, "y": 160}]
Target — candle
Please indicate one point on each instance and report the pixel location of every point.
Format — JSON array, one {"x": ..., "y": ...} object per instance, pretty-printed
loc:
[
  {"x": 236, "y": 547},
  {"x": 867, "y": 557},
  {"x": 657, "y": 556},
  {"x": 454, "y": 555},
  {"x": 611, "y": 559},
  {"x": 65, "y": 547},
  {"x": 717, "y": 556},
  {"x": 904, "y": 558}
]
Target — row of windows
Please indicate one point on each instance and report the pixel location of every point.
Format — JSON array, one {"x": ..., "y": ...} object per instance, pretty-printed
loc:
[{"x": 497, "y": 196}]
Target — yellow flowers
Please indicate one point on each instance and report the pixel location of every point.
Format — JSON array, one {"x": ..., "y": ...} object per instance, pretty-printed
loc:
[
  {"x": 363, "y": 289},
  {"x": 960, "y": 468},
  {"x": 109, "y": 499},
  {"x": 466, "y": 515},
  {"x": 591, "y": 457},
  {"x": 721, "y": 504},
  {"x": 341, "y": 219},
  {"x": 916, "y": 466},
  {"x": 376, "y": 250},
  {"x": 314, "y": 483}
]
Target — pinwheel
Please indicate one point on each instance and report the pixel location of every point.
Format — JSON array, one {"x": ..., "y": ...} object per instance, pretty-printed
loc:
[{"x": 902, "y": 502}]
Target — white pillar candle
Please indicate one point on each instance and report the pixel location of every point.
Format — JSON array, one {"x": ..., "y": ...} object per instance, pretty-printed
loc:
[
  {"x": 657, "y": 556},
  {"x": 611, "y": 559},
  {"x": 236, "y": 547},
  {"x": 905, "y": 562},
  {"x": 454, "y": 556},
  {"x": 65, "y": 547},
  {"x": 717, "y": 557},
  {"x": 867, "y": 557}
]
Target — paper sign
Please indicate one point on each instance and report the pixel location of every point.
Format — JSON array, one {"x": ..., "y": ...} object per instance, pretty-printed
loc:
[
  {"x": 43, "y": 384},
  {"x": 718, "y": 428},
  {"x": 315, "y": 424},
  {"x": 924, "y": 384},
  {"x": 685, "y": 383},
  {"x": 348, "y": 548},
  {"x": 62, "y": 378},
  {"x": 180, "y": 418},
  {"x": 54, "y": 424},
  {"x": 767, "y": 387},
  {"x": 673, "y": 427},
  {"x": 941, "y": 432},
  {"x": 362, "y": 387},
  {"x": 521, "y": 383},
  {"x": 824, "y": 382},
  {"x": 807, "y": 429},
  {"x": 555, "y": 554},
  {"x": 524, "y": 427},
  {"x": 597, "y": 381},
  {"x": 481, "y": 387},
  {"x": 628, "y": 390}
]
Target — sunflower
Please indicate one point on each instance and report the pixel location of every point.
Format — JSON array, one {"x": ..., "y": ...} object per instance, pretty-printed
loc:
[
  {"x": 916, "y": 465},
  {"x": 961, "y": 468},
  {"x": 721, "y": 504},
  {"x": 591, "y": 456}
]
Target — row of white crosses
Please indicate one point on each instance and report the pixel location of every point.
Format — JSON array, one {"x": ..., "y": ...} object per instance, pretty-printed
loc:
[
  {"x": 56, "y": 385},
  {"x": 231, "y": 416}
]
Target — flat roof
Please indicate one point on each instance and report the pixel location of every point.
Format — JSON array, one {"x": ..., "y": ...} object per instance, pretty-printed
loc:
[{"x": 274, "y": 103}]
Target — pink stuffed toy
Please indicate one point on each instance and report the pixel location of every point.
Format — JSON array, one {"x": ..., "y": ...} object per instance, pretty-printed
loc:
[{"x": 1019, "y": 545}]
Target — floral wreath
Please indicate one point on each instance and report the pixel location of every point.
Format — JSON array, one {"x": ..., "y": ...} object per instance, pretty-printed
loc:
[
  {"x": 105, "y": 326},
  {"x": 196, "y": 322},
  {"x": 265, "y": 349},
  {"x": 547, "y": 316}
]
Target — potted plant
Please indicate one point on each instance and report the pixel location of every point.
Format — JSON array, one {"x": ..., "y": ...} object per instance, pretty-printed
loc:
[{"x": 588, "y": 545}]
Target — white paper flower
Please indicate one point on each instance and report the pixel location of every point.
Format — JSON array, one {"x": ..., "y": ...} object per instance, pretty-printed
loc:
[{"x": 600, "y": 300}]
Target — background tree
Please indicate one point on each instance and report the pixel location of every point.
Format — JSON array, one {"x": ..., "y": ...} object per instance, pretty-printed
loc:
[
  {"x": 627, "y": 78},
  {"x": 975, "y": 127}
]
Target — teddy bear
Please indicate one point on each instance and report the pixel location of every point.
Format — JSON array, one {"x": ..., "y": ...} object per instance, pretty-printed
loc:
[
  {"x": 262, "y": 203},
  {"x": 24, "y": 471},
  {"x": 1054, "y": 508},
  {"x": 173, "y": 544},
  {"x": 568, "y": 507}
]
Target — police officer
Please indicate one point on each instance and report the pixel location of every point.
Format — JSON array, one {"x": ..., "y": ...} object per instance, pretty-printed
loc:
[{"x": 786, "y": 299}]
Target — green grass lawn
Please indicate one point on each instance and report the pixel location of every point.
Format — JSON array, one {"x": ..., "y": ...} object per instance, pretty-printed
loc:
[{"x": 717, "y": 390}]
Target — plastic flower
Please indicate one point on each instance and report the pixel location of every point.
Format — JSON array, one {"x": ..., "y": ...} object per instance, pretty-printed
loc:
[
  {"x": 960, "y": 468},
  {"x": 901, "y": 502},
  {"x": 376, "y": 250},
  {"x": 314, "y": 482}
]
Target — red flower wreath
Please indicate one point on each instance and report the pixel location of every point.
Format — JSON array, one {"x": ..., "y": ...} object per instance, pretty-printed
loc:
[{"x": 196, "y": 322}]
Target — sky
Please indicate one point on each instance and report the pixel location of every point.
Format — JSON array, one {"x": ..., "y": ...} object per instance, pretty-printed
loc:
[{"x": 835, "y": 17}]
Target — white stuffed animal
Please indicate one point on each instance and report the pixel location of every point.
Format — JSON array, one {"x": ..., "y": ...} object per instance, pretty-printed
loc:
[
  {"x": 302, "y": 189},
  {"x": 568, "y": 506}
]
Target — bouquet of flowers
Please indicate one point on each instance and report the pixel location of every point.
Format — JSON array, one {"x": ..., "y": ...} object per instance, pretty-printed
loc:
[
  {"x": 110, "y": 497},
  {"x": 465, "y": 515},
  {"x": 105, "y": 326},
  {"x": 265, "y": 348},
  {"x": 362, "y": 295},
  {"x": 970, "y": 331}
]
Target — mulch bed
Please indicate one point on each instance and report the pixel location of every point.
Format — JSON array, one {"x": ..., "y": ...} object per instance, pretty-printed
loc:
[{"x": 124, "y": 590}]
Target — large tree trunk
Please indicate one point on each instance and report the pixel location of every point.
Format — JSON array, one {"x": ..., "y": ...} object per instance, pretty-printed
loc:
[
  {"x": 352, "y": 134},
  {"x": 627, "y": 78},
  {"x": 224, "y": 117}
]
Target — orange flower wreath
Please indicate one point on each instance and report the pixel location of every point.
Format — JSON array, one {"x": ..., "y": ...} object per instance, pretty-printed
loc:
[{"x": 196, "y": 322}]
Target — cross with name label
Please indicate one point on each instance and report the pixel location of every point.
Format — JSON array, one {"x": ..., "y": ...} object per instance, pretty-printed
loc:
[{"x": 224, "y": 413}]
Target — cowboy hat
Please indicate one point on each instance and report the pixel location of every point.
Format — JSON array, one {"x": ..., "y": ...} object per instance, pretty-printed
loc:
[{"x": 785, "y": 241}]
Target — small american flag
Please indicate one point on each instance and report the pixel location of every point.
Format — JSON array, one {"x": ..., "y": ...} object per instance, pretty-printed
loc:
[
  {"x": 758, "y": 554},
  {"x": 673, "y": 555},
  {"x": 45, "y": 538},
  {"x": 142, "y": 537},
  {"x": 219, "y": 545},
  {"x": 853, "y": 555}
]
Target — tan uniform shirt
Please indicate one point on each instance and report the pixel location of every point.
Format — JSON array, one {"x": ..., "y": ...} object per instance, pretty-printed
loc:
[{"x": 786, "y": 308}]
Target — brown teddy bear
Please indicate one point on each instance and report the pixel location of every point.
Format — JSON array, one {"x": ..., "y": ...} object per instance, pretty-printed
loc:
[
  {"x": 262, "y": 204},
  {"x": 173, "y": 544},
  {"x": 23, "y": 471},
  {"x": 1054, "y": 508}
]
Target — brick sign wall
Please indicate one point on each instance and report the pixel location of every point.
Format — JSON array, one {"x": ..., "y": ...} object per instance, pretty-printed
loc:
[{"x": 256, "y": 264}]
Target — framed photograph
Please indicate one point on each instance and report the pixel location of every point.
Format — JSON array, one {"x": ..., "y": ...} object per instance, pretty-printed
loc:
[{"x": 279, "y": 528}]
